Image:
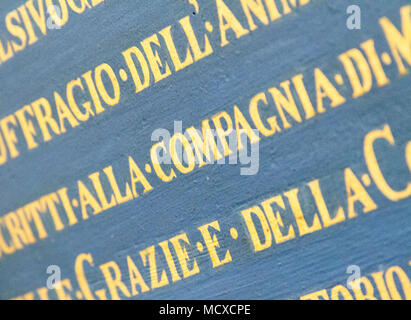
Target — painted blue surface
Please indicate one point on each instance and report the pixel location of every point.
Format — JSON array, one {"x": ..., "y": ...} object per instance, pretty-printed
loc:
[{"x": 310, "y": 37}]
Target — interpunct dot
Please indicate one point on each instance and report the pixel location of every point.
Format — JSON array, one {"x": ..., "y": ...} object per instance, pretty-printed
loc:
[
  {"x": 385, "y": 57},
  {"x": 234, "y": 233},
  {"x": 148, "y": 168},
  {"x": 209, "y": 26},
  {"x": 123, "y": 75},
  {"x": 74, "y": 202},
  {"x": 366, "y": 179},
  {"x": 338, "y": 79},
  {"x": 200, "y": 246},
  {"x": 79, "y": 295}
]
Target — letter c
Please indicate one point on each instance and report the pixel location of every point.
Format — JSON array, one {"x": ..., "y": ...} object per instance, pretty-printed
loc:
[{"x": 374, "y": 169}]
